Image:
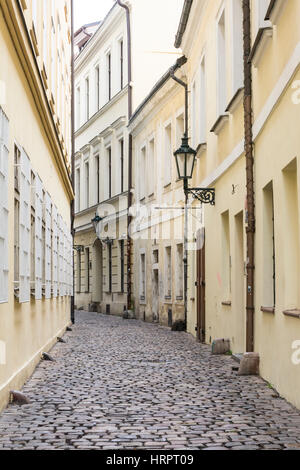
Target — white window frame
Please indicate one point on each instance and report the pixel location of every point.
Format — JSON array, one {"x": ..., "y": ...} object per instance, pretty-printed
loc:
[{"x": 4, "y": 212}]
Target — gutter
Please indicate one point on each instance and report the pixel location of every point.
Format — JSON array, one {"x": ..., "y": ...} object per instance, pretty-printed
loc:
[
  {"x": 250, "y": 204},
  {"x": 72, "y": 208},
  {"x": 129, "y": 203},
  {"x": 179, "y": 63},
  {"x": 183, "y": 22}
]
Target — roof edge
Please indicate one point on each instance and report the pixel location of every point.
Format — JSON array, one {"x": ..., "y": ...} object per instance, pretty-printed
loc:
[
  {"x": 183, "y": 22},
  {"x": 179, "y": 63}
]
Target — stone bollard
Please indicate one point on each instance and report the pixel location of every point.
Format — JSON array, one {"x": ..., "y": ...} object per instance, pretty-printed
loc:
[
  {"x": 249, "y": 364},
  {"x": 220, "y": 346}
]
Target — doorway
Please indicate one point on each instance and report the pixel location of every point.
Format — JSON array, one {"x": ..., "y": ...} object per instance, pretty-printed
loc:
[
  {"x": 201, "y": 285},
  {"x": 155, "y": 289},
  {"x": 97, "y": 289}
]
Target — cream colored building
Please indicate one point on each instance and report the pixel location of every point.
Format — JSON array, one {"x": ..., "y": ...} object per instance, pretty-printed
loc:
[
  {"x": 35, "y": 184},
  {"x": 105, "y": 96},
  {"x": 157, "y": 127},
  {"x": 211, "y": 37}
]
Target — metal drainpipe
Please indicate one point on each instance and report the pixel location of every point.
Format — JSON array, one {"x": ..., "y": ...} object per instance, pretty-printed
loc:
[
  {"x": 250, "y": 219},
  {"x": 129, "y": 59},
  {"x": 72, "y": 155},
  {"x": 185, "y": 185}
]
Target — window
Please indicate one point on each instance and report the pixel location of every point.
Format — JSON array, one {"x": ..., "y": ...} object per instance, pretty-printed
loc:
[
  {"x": 78, "y": 106},
  {"x": 151, "y": 168},
  {"x": 3, "y": 207},
  {"x": 179, "y": 129},
  {"x": 226, "y": 260},
  {"x": 202, "y": 102},
  {"x": 168, "y": 273},
  {"x": 77, "y": 181},
  {"x": 194, "y": 114},
  {"x": 97, "y": 175},
  {"x": 168, "y": 155},
  {"x": 179, "y": 271},
  {"x": 87, "y": 270},
  {"x": 121, "y": 147},
  {"x": 78, "y": 272},
  {"x": 109, "y": 171},
  {"x": 221, "y": 66},
  {"x": 45, "y": 32},
  {"x": 122, "y": 265},
  {"x": 291, "y": 236},
  {"x": 121, "y": 52},
  {"x": 48, "y": 245},
  {"x": 269, "y": 247},
  {"x": 87, "y": 98},
  {"x": 97, "y": 85},
  {"x": 43, "y": 251},
  {"x": 34, "y": 15},
  {"x": 54, "y": 252},
  {"x": 108, "y": 59},
  {"x": 142, "y": 277},
  {"x": 24, "y": 219},
  {"x": 261, "y": 8},
  {"x": 143, "y": 174},
  {"x": 17, "y": 172},
  {"x": 53, "y": 55},
  {"x": 87, "y": 184},
  {"x": 37, "y": 217},
  {"x": 237, "y": 50},
  {"x": 109, "y": 267}
]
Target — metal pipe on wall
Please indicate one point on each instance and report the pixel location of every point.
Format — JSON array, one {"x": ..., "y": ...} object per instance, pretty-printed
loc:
[
  {"x": 129, "y": 203},
  {"x": 250, "y": 217}
]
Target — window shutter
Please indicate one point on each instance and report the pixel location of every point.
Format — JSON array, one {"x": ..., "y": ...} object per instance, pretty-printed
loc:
[
  {"x": 48, "y": 206},
  {"x": 38, "y": 237},
  {"x": 54, "y": 253},
  {"x": 3, "y": 207},
  {"x": 71, "y": 264},
  {"x": 60, "y": 255},
  {"x": 24, "y": 268}
]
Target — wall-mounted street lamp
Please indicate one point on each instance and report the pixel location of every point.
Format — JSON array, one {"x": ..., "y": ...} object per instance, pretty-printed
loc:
[
  {"x": 95, "y": 221},
  {"x": 185, "y": 158}
]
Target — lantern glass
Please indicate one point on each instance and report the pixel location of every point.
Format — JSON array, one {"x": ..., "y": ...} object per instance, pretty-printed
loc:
[{"x": 185, "y": 160}]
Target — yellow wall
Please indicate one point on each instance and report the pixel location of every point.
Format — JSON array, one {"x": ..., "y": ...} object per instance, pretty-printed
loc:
[{"x": 28, "y": 328}]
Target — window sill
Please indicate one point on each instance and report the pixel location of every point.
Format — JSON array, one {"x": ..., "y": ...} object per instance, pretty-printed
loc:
[
  {"x": 261, "y": 40},
  {"x": 235, "y": 101},
  {"x": 226, "y": 303},
  {"x": 219, "y": 124},
  {"x": 268, "y": 310},
  {"x": 201, "y": 149},
  {"x": 295, "y": 313}
]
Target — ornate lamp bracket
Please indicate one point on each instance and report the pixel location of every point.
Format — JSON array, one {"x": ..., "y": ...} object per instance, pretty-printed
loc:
[{"x": 204, "y": 195}]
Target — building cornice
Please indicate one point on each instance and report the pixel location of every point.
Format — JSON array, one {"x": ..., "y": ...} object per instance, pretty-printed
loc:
[
  {"x": 111, "y": 21},
  {"x": 16, "y": 25},
  {"x": 101, "y": 111}
]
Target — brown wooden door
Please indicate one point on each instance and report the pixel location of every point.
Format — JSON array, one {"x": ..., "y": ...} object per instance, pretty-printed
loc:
[{"x": 201, "y": 285}]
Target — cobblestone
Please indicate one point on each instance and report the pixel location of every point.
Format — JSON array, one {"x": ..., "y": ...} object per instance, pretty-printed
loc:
[{"x": 125, "y": 384}]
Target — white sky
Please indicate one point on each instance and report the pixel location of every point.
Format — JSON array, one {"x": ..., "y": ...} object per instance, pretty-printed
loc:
[{"x": 88, "y": 11}]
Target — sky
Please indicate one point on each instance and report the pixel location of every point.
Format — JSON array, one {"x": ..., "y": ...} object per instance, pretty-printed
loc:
[{"x": 88, "y": 11}]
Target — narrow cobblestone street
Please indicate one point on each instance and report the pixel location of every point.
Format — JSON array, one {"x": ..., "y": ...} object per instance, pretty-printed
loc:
[{"x": 121, "y": 384}]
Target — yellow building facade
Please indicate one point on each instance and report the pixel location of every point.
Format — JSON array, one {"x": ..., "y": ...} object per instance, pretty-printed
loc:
[
  {"x": 212, "y": 40},
  {"x": 36, "y": 190},
  {"x": 157, "y": 213}
]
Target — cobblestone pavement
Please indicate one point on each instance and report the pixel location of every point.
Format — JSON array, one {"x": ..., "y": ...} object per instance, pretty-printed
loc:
[{"x": 125, "y": 384}]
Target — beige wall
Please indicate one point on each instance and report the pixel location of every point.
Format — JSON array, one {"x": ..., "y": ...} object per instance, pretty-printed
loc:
[
  {"x": 27, "y": 329},
  {"x": 222, "y": 166}
]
